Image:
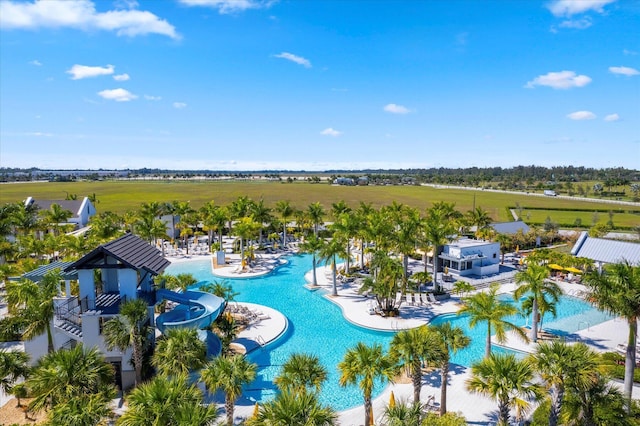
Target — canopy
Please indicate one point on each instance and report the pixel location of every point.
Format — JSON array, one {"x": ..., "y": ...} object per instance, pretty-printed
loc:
[
  {"x": 555, "y": 266},
  {"x": 574, "y": 270}
]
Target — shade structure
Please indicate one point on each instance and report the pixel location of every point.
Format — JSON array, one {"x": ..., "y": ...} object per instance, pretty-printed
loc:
[
  {"x": 574, "y": 270},
  {"x": 555, "y": 266},
  {"x": 392, "y": 400}
]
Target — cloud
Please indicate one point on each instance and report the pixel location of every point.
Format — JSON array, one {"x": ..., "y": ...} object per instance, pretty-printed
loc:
[
  {"x": 396, "y": 109},
  {"x": 83, "y": 71},
  {"x": 118, "y": 95},
  {"x": 294, "y": 58},
  {"x": 559, "y": 80},
  {"x": 579, "y": 24},
  {"x": 612, "y": 117},
  {"x": 230, "y": 6},
  {"x": 628, "y": 52},
  {"x": 574, "y": 7},
  {"x": 152, "y": 98},
  {"x": 331, "y": 132},
  {"x": 624, "y": 71},
  {"x": 179, "y": 105},
  {"x": 40, "y": 134},
  {"x": 36, "y": 63},
  {"x": 81, "y": 15},
  {"x": 581, "y": 115},
  {"x": 121, "y": 77}
]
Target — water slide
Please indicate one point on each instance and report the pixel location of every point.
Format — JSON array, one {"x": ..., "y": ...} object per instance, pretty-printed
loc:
[{"x": 196, "y": 309}]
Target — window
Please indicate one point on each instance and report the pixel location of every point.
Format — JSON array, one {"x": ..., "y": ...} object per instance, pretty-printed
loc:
[{"x": 494, "y": 255}]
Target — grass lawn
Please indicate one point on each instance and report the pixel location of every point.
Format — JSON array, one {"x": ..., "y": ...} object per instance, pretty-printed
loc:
[
  {"x": 568, "y": 217},
  {"x": 120, "y": 196}
]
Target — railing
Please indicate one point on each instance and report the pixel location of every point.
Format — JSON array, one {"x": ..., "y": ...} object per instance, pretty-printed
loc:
[
  {"x": 260, "y": 341},
  {"x": 69, "y": 311}
]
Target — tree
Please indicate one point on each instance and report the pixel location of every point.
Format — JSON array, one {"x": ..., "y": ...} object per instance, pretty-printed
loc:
[
  {"x": 130, "y": 329},
  {"x": 301, "y": 373},
  {"x": 486, "y": 307},
  {"x": 345, "y": 228},
  {"x": 245, "y": 228},
  {"x": 533, "y": 280},
  {"x": 14, "y": 365},
  {"x": 330, "y": 253},
  {"x": 507, "y": 380},
  {"x": 286, "y": 211},
  {"x": 363, "y": 365},
  {"x": 167, "y": 401},
  {"x": 69, "y": 373},
  {"x": 316, "y": 213},
  {"x": 387, "y": 281},
  {"x": 315, "y": 246},
  {"x": 179, "y": 352},
  {"x": 82, "y": 410},
  {"x": 289, "y": 408},
  {"x": 55, "y": 216},
  {"x": 452, "y": 339},
  {"x": 213, "y": 219},
  {"x": 403, "y": 415},
  {"x": 221, "y": 289},
  {"x": 617, "y": 290},
  {"x": 261, "y": 214},
  {"x": 229, "y": 374},
  {"x": 437, "y": 231}
]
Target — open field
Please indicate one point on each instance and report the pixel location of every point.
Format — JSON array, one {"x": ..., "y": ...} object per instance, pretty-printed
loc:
[
  {"x": 568, "y": 217},
  {"x": 120, "y": 196}
]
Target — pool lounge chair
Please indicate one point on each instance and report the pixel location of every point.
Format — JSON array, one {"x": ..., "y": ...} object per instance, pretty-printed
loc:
[
  {"x": 409, "y": 299},
  {"x": 433, "y": 299},
  {"x": 425, "y": 299},
  {"x": 398, "y": 299},
  {"x": 416, "y": 297}
]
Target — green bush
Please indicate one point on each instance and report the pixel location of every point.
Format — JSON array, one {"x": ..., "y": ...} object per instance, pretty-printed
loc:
[{"x": 614, "y": 363}]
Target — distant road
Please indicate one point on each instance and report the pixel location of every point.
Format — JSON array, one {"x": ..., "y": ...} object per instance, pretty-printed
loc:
[{"x": 566, "y": 197}]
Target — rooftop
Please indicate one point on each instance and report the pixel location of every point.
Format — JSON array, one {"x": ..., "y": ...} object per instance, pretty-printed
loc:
[{"x": 606, "y": 251}]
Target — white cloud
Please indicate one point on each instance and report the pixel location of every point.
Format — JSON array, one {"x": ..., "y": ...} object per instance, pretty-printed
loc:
[
  {"x": 83, "y": 71},
  {"x": 152, "y": 98},
  {"x": 581, "y": 115},
  {"x": 559, "y": 80},
  {"x": 624, "y": 71},
  {"x": 40, "y": 134},
  {"x": 36, "y": 62},
  {"x": 229, "y": 6},
  {"x": 628, "y": 52},
  {"x": 330, "y": 132},
  {"x": 179, "y": 105},
  {"x": 579, "y": 24},
  {"x": 573, "y": 7},
  {"x": 121, "y": 77},
  {"x": 294, "y": 58},
  {"x": 396, "y": 109},
  {"x": 118, "y": 95},
  {"x": 81, "y": 15},
  {"x": 612, "y": 117}
]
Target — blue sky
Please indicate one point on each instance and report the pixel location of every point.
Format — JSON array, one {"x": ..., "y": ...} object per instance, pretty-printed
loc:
[{"x": 316, "y": 85}]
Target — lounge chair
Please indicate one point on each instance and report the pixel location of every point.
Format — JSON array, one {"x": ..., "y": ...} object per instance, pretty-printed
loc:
[
  {"x": 425, "y": 299},
  {"x": 433, "y": 299},
  {"x": 398, "y": 299},
  {"x": 408, "y": 298},
  {"x": 416, "y": 297}
]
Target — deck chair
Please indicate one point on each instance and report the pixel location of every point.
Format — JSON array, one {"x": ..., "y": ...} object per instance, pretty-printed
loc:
[
  {"x": 416, "y": 297},
  {"x": 398, "y": 298},
  {"x": 425, "y": 299},
  {"x": 409, "y": 299},
  {"x": 433, "y": 299}
]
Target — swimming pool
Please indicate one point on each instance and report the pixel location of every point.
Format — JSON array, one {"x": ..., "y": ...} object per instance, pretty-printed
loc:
[{"x": 317, "y": 326}]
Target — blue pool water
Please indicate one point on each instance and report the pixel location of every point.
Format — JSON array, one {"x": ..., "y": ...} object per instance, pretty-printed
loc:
[{"x": 317, "y": 326}]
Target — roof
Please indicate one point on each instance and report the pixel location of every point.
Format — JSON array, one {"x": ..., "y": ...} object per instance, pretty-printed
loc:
[
  {"x": 72, "y": 205},
  {"x": 129, "y": 250},
  {"x": 606, "y": 251},
  {"x": 39, "y": 273},
  {"x": 510, "y": 228},
  {"x": 468, "y": 242}
]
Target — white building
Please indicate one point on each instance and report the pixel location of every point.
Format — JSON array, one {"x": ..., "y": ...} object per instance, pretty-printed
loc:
[
  {"x": 82, "y": 210},
  {"x": 467, "y": 257}
]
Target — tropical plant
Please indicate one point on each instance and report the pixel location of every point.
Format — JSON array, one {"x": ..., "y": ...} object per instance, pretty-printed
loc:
[
  {"x": 82, "y": 410},
  {"x": 286, "y": 211},
  {"x": 487, "y": 307},
  {"x": 55, "y": 216},
  {"x": 315, "y": 211},
  {"x": 508, "y": 380},
  {"x": 452, "y": 339},
  {"x": 245, "y": 228},
  {"x": 14, "y": 365},
  {"x": 229, "y": 374},
  {"x": 179, "y": 351},
  {"x": 437, "y": 230},
  {"x": 290, "y": 408},
  {"x": 221, "y": 289},
  {"x": 533, "y": 280},
  {"x": 363, "y": 365},
  {"x": 301, "y": 373},
  {"x": 330, "y": 254},
  {"x": 345, "y": 228},
  {"x": 448, "y": 419},
  {"x": 313, "y": 245},
  {"x": 227, "y": 329},
  {"x": 261, "y": 214},
  {"x": 403, "y": 415}
]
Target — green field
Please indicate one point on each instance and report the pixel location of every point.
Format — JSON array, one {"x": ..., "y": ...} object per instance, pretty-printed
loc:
[
  {"x": 568, "y": 218},
  {"x": 120, "y": 196}
]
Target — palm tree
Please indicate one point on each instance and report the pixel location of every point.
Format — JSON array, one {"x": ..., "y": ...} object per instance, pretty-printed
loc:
[
  {"x": 339, "y": 208},
  {"x": 55, "y": 216},
  {"x": 478, "y": 217},
  {"x": 533, "y": 280},
  {"x": 261, "y": 214},
  {"x": 598, "y": 403},
  {"x": 486, "y": 307},
  {"x": 245, "y": 228},
  {"x": 507, "y": 380},
  {"x": 229, "y": 374},
  {"x": 167, "y": 401},
  {"x": 331, "y": 252},
  {"x": 179, "y": 352},
  {"x": 82, "y": 410},
  {"x": 437, "y": 231},
  {"x": 213, "y": 219},
  {"x": 410, "y": 348},
  {"x": 286, "y": 211},
  {"x": 561, "y": 366},
  {"x": 294, "y": 409},
  {"x": 66, "y": 374},
  {"x": 301, "y": 373},
  {"x": 453, "y": 339},
  {"x": 404, "y": 415},
  {"x": 130, "y": 329},
  {"x": 14, "y": 365},
  {"x": 363, "y": 365},
  {"x": 405, "y": 235},
  {"x": 315, "y": 211},
  {"x": 617, "y": 290},
  {"x": 313, "y": 245},
  {"x": 345, "y": 228}
]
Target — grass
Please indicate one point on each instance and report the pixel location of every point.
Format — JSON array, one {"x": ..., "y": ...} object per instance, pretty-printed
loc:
[
  {"x": 568, "y": 217},
  {"x": 120, "y": 196}
]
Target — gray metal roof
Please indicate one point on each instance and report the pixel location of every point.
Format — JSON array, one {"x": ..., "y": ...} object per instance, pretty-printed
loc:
[
  {"x": 510, "y": 228},
  {"x": 130, "y": 251},
  {"x": 607, "y": 251},
  {"x": 72, "y": 205},
  {"x": 39, "y": 273}
]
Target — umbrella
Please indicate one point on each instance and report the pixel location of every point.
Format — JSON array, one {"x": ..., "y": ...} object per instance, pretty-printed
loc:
[
  {"x": 392, "y": 400},
  {"x": 574, "y": 270},
  {"x": 555, "y": 266},
  {"x": 255, "y": 410}
]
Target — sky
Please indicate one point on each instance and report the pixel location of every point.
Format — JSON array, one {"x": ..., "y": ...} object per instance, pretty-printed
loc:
[{"x": 319, "y": 84}]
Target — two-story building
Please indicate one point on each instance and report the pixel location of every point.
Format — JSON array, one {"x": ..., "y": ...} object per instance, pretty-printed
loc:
[{"x": 468, "y": 257}]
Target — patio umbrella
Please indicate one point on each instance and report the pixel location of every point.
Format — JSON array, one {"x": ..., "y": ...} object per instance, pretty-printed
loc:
[
  {"x": 555, "y": 266},
  {"x": 392, "y": 400},
  {"x": 255, "y": 410},
  {"x": 574, "y": 270}
]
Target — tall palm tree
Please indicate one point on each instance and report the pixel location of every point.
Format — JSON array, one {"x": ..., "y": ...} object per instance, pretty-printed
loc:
[
  {"x": 363, "y": 365},
  {"x": 617, "y": 290},
  {"x": 330, "y": 254},
  {"x": 14, "y": 365},
  {"x": 410, "y": 348},
  {"x": 437, "y": 231},
  {"x": 229, "y": 374},
  {"x": 130, "y": 329},
  {"x": 289, "y": 408},
  {"x": 486, "y": 307},
  {"x": 533, "y": 280},
  {"x": 286, "y": 211},
  {"x": 179, "y": 352},
  {"x": 405, "y": 234},
  {"x": 561, "y": 366},
  {"x": 166, "y": 401},
  {"x": 82, "y": 410},
  {"x": 507, "y": 380},
  {"x": 213, "y": 219},
  {"x": 599, "y": 403},
  {"x": 55, "y": 216},
  {"x": 262, "y": 215},
  {"x": 69, "y": 373},
  {"x": 245, "y": 228},
  {"x": 301, "y": 373},
  {"x": 315, "y": 211},
  {"x": 338, "y": 208},
  {"x": 313, "y": 245},
  {"x": 452, "y": 339},
  {"x": 478, "y": 217},
  {"x": 345, "y": 228}
]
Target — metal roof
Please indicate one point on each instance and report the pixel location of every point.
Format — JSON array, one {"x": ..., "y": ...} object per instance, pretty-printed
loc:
[
  {"x": 510, "y": 227},
  {"x": 72, "y": 205},
  {"x": 130, "y": 251},
  {"x": 39, "y": 273},
  {"x": 607, "y": 251}
]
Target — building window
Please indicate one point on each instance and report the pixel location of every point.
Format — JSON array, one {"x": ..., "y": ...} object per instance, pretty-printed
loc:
[
  {"x": 454, "y": 265},
  {"x": 495, "y": 255}
]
